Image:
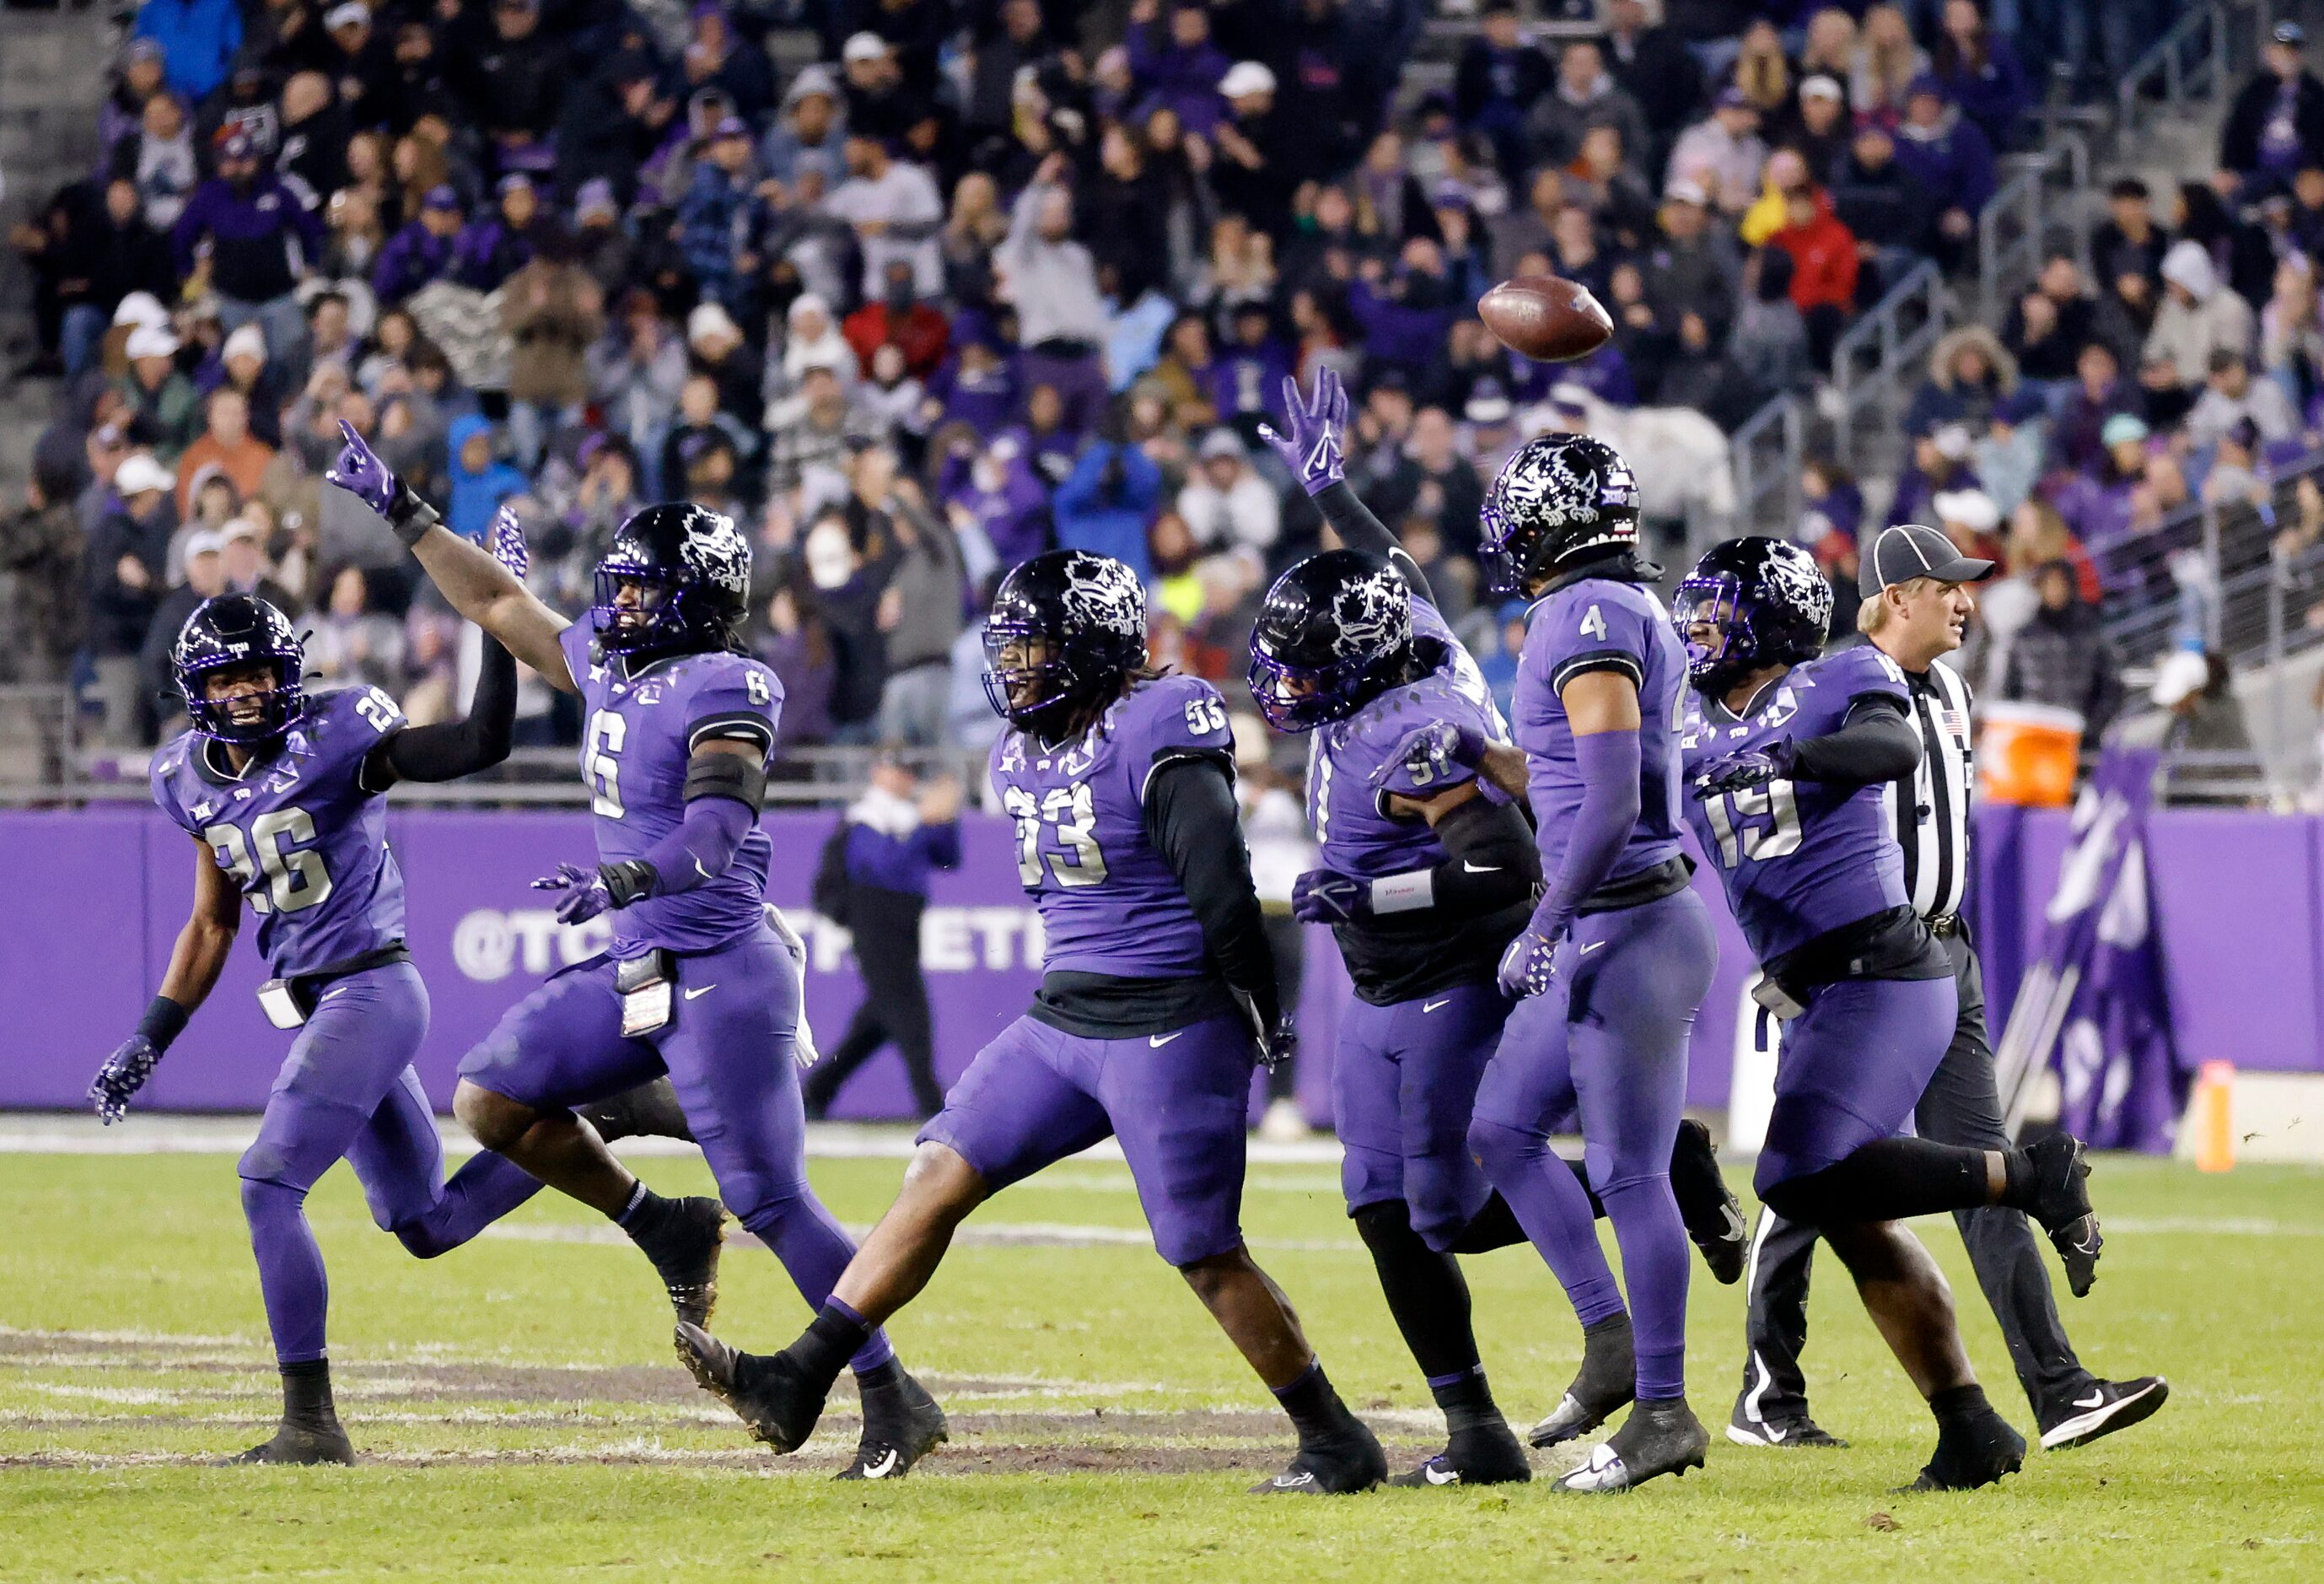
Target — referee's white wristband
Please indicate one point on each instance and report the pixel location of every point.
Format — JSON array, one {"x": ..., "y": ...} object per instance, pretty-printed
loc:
[{"x": 1407, "y": 892}]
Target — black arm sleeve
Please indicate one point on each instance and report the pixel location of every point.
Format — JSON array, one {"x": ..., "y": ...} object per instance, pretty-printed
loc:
[
  {"x": 1878, "y": 744},
  {"x": 1494, "y": 860},
  {"x": 451, "y": 749},
  {"x": 1192, "y": 820},
  {"x": 1358, "y": 529}
]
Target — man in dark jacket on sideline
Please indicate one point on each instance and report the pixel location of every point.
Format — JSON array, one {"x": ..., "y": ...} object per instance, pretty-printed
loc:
[{"x": 875, "y": 879}]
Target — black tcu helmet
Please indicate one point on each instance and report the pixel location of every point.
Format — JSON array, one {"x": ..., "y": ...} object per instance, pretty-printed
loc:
[
  {"x": 1559, "y": 495},
  {"x": 235, "y": 630},
  {"x": 701, "y": 564},
  {"x": 1088, "y": 610},
  {"x": 1766, "y": 603},
  {"x": 1335, "y": 631}
]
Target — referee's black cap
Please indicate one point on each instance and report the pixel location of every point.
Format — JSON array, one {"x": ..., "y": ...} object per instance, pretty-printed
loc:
[{"x": 1909, "y": 550}]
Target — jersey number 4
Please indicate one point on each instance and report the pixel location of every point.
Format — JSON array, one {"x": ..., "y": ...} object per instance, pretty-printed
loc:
[
  {"x": 295, "y": 877},
  {"x": 1735, "y": 821},
  {"x": 1072, "y": 811}
]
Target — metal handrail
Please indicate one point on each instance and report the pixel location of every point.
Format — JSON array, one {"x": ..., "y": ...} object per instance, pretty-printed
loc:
[
  {"x": 1767, "y": 476},
  {"x": 1882, "y": 339},
  {"x": 2186, "y": 77},
  {"x": 2014, "y": 228}
]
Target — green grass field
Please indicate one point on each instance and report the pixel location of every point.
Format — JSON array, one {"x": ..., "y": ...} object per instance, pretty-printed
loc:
[{"x": 523, "y": 1418}]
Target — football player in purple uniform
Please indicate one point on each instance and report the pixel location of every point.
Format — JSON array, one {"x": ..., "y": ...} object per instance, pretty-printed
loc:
[
  {"x": 1158, "y": 995},
  {"x": 1789, "y": 760},
  {"x": 1614, "y": 962},
  {"x": 284, "y": 794},
  {"x": 1428, "y": 873},
  {"x": 679, "y": 731}
]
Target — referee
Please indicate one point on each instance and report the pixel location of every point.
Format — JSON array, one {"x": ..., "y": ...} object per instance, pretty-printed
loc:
[{"x": 1916, "y": 601}]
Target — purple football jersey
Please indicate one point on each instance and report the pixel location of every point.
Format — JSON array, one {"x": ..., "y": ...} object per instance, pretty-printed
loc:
[
  {"x": 1343, "y": 807},
  {"x": 640, "y": 730},
  {"x": 303, "y": 837},
  {"x": 1109, "y": 902},
  {"x": 1600, "y": 625},
  {"x": 1798, "y": 858}
]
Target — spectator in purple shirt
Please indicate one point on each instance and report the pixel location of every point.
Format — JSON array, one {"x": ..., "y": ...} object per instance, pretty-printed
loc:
[
  {"x": 998, "y": 495},
  {"x": 420, "y": 251},
  {"x": 1246, "y": 378},
  {"x": 1175, "y": 66},
  {"x": 1952, "y": 161},
  {"x": 259, "y": 241}
]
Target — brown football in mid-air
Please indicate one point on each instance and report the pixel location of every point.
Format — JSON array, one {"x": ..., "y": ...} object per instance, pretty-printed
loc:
[{"x": 1546, "y": 318}]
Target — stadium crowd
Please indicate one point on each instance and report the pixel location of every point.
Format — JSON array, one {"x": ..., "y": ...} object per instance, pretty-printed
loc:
[{"x": 998, "y": 274}]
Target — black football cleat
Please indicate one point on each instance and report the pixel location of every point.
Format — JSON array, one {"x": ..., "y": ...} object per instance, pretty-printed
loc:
[
  {"x": 1792, "y": 1431},
  {"x": 1659, "y": 1437},
  {"x": 764, "y": 1392},
  {"x": 1973, "y": 1452},
  {"x": 684, "y": 1240},
  {"x": 320, "y": 1441},
  {"x": 901, "y": 1425},
  {"x": 1602, "y": 1388},
  {"x": 651, "y": 1110},
  {"x": 2101, "y": 1408},
  {"x": 1713, "y": 1214},
  {"x": 1485, "y": 1454},
  {"x": 1349, "y": 1461},
  {"x": 2062, "y": 1205}
]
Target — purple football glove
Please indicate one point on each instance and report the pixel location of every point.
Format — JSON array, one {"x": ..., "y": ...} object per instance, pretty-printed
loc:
[
  {"x": 1528, "y": 965},
  {"x": 505, "y": 540},
  {"x": 1325, "y": 896},
  {"x": 124, "y": 1072},
  {"x": 361, "y": 473},
  {"x": 587, "y": 894},
  {"x": 1745, "y": 768},
  {"x": 1314, "y": 448}
]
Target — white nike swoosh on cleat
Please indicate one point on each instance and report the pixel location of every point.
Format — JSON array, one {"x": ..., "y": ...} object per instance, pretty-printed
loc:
[
  {"x": 2101, "y": 1412},
  {"x": 1476, "y": 869},
  {"x": 885, "y": 1465},
  {"x": 2094, "y": 1399},
  {"x": 1159, "y": 1041},
  {"x": 1435, "y": 1476},
  {"x": 1735, "y": 1227},
  {"x": 1603, "y": 1471},
  {"x": 1432, "y": 1005},
  {"x": 1293, "y": 1481},
  {"x": 705, "y": 990}
]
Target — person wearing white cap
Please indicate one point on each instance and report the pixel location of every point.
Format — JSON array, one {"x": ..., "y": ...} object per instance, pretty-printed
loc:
[
  {"x": 167, "y": 403},
  {"x": 1225, "y": 504},
  {"x": 2199, "y": 315},
  {"x": 811, "y": 131},
  {"x": 124, "y": 561}
]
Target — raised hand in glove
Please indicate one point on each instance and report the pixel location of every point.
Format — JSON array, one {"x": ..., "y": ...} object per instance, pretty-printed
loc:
[
  {"x": 361, "y": 473},
  {"x": 1745, "y": 768},
  {"x": 505, "y": 540},
  {"x": 124, "y": 1072},
  {"x": 1326, "y": 896},
  {"x": 1528, "y": 967},
  {"x": 1312, "y": 440}
]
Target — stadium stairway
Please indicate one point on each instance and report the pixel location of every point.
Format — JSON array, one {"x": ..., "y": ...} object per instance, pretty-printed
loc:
[{"x": 52, "y": 75}]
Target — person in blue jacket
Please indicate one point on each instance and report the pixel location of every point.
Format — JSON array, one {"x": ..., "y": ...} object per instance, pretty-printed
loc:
[
  {"x": 199, "y": 38},
  {"x": 1107, "y": 502}
]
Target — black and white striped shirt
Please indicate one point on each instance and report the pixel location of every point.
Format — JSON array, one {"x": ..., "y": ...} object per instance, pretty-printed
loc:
[{"x": 1933, "y": 824}]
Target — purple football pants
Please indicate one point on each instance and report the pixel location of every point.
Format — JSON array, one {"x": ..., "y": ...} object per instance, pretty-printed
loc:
[
  {"x": 347, "y": 1091},
  {"x": 1404, "y": 1086},
  {"x": 1177, "y": 1101},
  {"x": 727, "y": 1050},
  {"x": 1851, "y": 1068},
  {"x": 1606, "y": 1041}
]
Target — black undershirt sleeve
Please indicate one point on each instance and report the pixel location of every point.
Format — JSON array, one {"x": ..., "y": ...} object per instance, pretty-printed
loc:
[
  {"x": 1192, "y": 820},
  {"x": 1494, "y": 860},
  {"x": 1358, "y": 529},
  {"x": 1878, "y": 744},
  {"x": 450, "y": 749}
]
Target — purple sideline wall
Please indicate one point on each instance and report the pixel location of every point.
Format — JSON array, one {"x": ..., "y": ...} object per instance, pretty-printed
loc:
[{"x": 101, "y": 892}]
